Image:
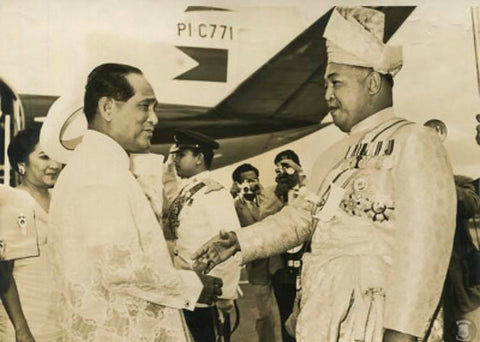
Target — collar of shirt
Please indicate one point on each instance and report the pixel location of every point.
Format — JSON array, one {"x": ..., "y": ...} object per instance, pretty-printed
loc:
[
  {"x": 110, "y": 152},
  {"x": 373, "y": 120}
]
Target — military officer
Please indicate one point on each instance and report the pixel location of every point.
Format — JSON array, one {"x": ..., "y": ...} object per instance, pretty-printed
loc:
[
  {"x": 201, "y": 209},
  {"x": 380, "y": 205}
]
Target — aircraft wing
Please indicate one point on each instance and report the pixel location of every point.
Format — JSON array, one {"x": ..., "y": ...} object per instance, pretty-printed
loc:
[
  {"x": 290, "y": 86},
  {"x": 286, "y": 92},
  {"x": 281, "y": 102}
]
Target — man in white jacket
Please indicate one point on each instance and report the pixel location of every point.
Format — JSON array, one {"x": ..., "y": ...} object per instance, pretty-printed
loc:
[{"x": 115, "y": 278}]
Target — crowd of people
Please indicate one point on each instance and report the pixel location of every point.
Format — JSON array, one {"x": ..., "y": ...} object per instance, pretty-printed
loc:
[{"x": 119, "y": 246}]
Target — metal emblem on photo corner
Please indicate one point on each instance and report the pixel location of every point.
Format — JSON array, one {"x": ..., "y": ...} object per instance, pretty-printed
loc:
[
  {"x": 466, "y": 330},
  {"x": 2, "y": 249},
  {"x": 22, "y": 223}
]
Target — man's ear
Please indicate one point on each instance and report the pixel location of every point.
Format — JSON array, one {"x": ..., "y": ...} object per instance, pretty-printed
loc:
[
  {"x": 199, "y": 158},
  {"x": 374, "y": 83},
  {"x": 105, "y": 107}
]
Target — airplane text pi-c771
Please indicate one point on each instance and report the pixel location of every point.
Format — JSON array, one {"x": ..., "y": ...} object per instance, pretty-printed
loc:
[{"x": 205, "y": 31}]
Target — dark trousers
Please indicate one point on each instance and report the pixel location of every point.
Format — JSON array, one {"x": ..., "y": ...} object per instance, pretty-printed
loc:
[
  {"x": 202, "y": 324},
  {"x": 285, "y": 292}
]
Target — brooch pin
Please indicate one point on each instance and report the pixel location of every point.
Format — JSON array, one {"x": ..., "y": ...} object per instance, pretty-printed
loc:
[{"x": 22, "y": 223}]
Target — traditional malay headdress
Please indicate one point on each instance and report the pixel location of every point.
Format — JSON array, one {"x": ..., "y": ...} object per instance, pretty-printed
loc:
[{"x": 355, "y": 37}]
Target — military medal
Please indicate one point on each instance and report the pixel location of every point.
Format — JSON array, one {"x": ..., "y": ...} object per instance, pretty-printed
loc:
[
  {"x": 362, "y": 163},
  {"x": 380, "y": 210},
  {"x": 379, "y": 163},
  {"x": 372, "y": 162},
  {"x": 360, "y": 184},
  {"x": 388, "y": 162},
  {"x": 22, "y": 223}
]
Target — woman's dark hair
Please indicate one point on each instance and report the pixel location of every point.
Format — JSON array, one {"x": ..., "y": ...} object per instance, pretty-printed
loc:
[{"x": 22, "y": 145}]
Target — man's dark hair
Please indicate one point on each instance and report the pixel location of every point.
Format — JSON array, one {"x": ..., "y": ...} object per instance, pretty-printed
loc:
[
  {"x": 287, "y": 154},
  {"x": 107, "y": 80},
  {"x": 207, "y": 155},
  {"x": 236, "y": 175},
  {"x": 22, "y": 145}
]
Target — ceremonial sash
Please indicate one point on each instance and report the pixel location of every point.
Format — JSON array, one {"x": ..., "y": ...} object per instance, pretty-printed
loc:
[
  {"x": 177, "y": 206},
  {"x": 374, "y": 143}
]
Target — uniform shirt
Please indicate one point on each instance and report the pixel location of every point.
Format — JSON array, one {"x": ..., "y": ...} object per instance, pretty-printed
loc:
[
  {"x": 208, "y": 211},
  {"x": 386, "y": 242},
  {"x": 115, "y": 278}
]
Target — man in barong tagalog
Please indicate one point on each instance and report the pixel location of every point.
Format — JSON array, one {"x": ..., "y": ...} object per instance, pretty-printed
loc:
[
  {"x": 115, "y": 279},
  {"x": 379, "y": 207}
]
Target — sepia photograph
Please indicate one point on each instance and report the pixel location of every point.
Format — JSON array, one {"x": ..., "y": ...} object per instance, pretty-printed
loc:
[{"x": 239, "y": 171}]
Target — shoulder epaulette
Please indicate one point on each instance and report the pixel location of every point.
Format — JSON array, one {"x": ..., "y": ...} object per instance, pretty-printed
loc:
[{"x": 211, "y": 185}]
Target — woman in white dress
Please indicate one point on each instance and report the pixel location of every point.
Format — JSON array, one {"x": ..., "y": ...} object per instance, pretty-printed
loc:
[{"x": 32, "y": 317}]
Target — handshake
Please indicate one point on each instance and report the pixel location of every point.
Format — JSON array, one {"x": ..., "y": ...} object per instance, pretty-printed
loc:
[
  {"x": 212, "y": 253},
  {"x": 212, "y": 289}
]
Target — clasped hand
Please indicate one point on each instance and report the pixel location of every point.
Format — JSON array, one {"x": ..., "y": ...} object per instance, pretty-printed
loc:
[
  {"x": 212, "y": 289},
  {"x": 215, "y": 251}
]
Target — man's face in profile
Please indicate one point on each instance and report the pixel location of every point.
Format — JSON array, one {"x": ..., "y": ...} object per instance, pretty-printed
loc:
[
  {"x": 186, "y": 162},
  {"x": 346, "y": 94},
  {"x": 285, "y": 173},
  {"x": 134, "y": 120}
]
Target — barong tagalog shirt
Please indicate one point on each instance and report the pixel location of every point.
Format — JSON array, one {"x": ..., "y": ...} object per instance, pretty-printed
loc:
[
  {"x": 380, "y": 208},
  {"x": 115, "y": 278}
]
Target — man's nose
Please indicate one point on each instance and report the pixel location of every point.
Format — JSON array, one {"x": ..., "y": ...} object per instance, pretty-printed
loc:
[
  {"x": 328, "y": 93},
  {"x": 152, "y": 117}
]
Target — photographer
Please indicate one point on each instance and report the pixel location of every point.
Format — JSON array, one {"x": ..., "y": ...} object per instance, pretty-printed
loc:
[
  {"x": 253, "y": 203},
  {"x": 289, "y": 179},
  {"x": 280, "y": 272}
]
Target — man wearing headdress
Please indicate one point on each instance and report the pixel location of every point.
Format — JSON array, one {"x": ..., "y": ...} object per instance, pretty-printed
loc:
[{"x": 379, "y": 206}]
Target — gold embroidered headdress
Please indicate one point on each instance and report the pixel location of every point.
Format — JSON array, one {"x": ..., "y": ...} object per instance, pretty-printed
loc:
[{"x": 355, "y": 37}]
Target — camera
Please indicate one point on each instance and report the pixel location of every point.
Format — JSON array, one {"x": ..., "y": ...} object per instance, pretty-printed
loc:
[
  {"x": 247, "y": 190},
  {"x": 283, "y": 173}
]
